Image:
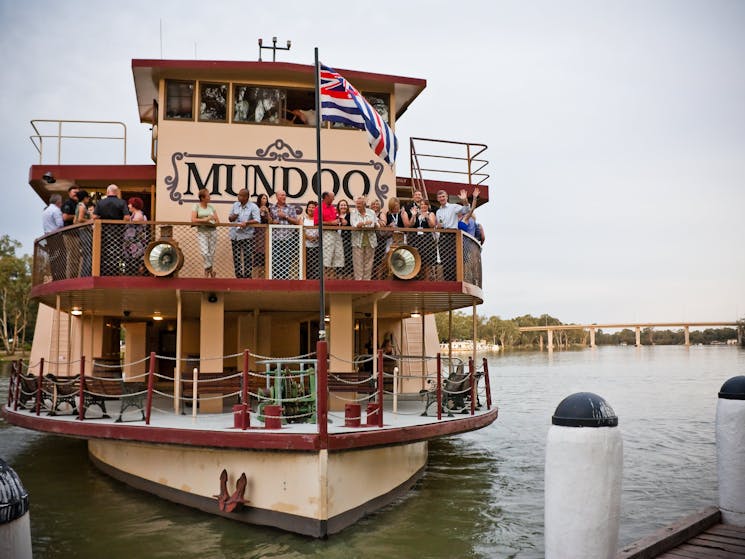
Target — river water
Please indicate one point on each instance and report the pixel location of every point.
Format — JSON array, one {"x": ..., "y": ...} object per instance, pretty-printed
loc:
[{"x": 482, "y": 495}]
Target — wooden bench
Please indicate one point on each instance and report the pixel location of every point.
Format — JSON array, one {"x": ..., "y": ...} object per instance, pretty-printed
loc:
[
  {"x": 26, "y": 388},
  {"x": 98, "y": 391},
  {"x": 61, "y": 390},
  {"x": 209, "y": 386}
]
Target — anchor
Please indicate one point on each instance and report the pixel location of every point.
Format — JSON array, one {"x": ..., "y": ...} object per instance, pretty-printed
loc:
[
  {"x": 223, "y": 496},
  {"x": 235, "y": 501}
]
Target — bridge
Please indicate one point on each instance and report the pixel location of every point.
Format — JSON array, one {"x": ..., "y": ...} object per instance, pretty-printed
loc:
[{"x": 550, "y": 328}]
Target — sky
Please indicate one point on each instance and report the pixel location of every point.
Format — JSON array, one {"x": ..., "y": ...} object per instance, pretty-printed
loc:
[{"x": 615, "y": 129}]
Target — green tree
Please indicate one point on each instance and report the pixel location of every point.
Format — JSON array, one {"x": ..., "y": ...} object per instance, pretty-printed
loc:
[{"x": 15, "y": 291}]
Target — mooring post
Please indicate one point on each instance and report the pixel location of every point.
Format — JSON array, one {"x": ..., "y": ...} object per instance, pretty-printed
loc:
[
  {"x": 584, "y": 465},
  {"x": 730, "y": 435},
  {"x": 15, "y": 525}
]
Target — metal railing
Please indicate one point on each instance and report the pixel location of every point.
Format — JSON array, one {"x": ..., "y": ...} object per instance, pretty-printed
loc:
[
  {"x": 445, "y": 158},
  {"x": 115, "y": 248},
  {"x": 39, "y": 136},
  {"x": 292, "y": 393}
]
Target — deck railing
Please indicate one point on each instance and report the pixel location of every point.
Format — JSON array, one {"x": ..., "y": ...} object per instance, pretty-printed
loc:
[
  {"x": 55, "y": 131},
  {"x": 115, "y": 248},
  {"x": 287, "y": 391}
]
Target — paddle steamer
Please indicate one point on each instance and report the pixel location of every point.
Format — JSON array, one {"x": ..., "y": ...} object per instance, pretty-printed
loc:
[{"x": 215, "y": 392}]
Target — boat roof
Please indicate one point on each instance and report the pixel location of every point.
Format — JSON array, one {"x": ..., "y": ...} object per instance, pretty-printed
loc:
[{"x": 147, "y": 74}]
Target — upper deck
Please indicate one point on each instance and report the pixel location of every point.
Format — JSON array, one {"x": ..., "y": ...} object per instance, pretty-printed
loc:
[{"x": 227, "y": 125}]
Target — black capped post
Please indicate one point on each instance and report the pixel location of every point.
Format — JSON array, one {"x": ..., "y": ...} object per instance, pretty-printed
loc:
[
  {"x": 730, "y": 435},
  {"x": 15, "y": 525},
  {"x": 584, "y": 467}
]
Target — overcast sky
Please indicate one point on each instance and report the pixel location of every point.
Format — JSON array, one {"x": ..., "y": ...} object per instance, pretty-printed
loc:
[{"x": 616, "y": 130}]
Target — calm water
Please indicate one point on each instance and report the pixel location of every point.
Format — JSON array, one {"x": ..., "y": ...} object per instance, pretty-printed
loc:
[{"x": 482, "y": 495}]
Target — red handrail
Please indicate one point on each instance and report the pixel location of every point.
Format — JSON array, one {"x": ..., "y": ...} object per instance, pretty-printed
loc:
[
  {"x": 81, "y": 392},
  {"x": 472, "y": 377},
  {"x": 487, "y": 383},
  {"x": 38, "y": 387},
  {"x": 150, "y": 377},
  {"x": 439, "y": 386},
  {"x": 244, "y": 390},
  {"x": 381, "y": 380}
]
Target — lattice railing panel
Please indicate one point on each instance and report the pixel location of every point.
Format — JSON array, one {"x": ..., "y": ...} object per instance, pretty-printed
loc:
[{"x": 273, "y": 252}]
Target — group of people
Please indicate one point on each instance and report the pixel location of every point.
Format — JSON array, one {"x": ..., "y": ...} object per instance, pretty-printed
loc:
[
  {"x": 79, "y": 208},
  {"x": 358, "y": 242}
]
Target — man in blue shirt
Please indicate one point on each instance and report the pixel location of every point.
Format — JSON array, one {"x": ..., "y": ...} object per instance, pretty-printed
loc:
[
  {"x": 51, "y": 217},
  {"x": 244, "y": 213},
  {"x": 448, "y": 216}
]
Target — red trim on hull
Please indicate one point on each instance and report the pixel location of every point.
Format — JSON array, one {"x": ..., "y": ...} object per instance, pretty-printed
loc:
[
  {"x": 346, "y": 441},
  {"x": 255, "y": 439}
]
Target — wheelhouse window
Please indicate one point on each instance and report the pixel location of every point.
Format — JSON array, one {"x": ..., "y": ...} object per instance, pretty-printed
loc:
[
  {"x": 213, "y": 98},
  {"x": 179, "y": 100},
  {"x": 264, "y": 105}
]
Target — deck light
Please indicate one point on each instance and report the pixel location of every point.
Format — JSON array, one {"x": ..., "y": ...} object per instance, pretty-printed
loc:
[
  {"x": 157, "y": 316},
  {"x": 416, "y": 314},
  {"x": 76, "y": 311},
  {"x": 327, "y": 318}
]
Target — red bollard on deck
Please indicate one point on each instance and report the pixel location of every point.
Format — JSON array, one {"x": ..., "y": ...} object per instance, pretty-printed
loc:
[
  {"x": 372, "y": 414},
  {"x": 241, "y": 417},
  {"x": 352, "y": 413},
  {"x": 272, "y": 417}
]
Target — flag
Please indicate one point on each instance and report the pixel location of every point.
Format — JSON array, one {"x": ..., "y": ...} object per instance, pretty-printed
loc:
[{"x": 341, "y": 102}]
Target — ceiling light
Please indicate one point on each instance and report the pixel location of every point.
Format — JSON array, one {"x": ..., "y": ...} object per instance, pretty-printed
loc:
[
  {"x": 416, "y": 314},
  {"x": 157, "y": 316},
  {"x": 76, "y": 311}
]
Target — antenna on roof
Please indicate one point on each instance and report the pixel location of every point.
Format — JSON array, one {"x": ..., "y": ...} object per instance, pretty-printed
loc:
[
  {"x": 274, "y": 48},
  {"x": 161, "y": 39}
]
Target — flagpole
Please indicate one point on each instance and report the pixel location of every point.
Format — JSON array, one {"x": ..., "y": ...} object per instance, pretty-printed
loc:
[{"x": 319, "y": 209}]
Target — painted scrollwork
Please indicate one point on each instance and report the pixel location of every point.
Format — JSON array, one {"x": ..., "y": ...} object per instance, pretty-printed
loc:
[
  {"x": 381, "y": 190},
  {"x": 172, "y": 180},
  {"x": 279, "y": 150}
]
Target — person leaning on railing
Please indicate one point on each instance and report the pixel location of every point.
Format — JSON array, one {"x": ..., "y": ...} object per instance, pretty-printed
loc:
[
  {"x": 333, "y": 251},
  {"x": 205, "y": 215},
  {"x": 311, "y": 242},
  {"x": 244, "y": 213},
  {"x": 364, "y": 240}
]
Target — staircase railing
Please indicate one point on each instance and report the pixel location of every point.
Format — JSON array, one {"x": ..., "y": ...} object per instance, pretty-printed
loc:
[{"x": 443, "y": 158}]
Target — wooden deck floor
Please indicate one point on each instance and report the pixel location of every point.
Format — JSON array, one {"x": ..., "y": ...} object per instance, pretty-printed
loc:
[
  {"x": 721, "y": 541},
  {"x": 698, "y": 536}
]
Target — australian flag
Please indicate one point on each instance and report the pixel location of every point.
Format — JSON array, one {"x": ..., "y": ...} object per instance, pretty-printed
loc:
[{"x": 341, "y": 102}]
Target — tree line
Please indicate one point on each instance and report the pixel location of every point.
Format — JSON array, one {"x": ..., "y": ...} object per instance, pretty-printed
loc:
[
  {"x": 17, "y": 310},
  {"x": 506, "y": 333}
]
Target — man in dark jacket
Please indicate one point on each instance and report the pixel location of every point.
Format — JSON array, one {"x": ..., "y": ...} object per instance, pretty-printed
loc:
[
  {"x": 112, "y": 207},
  {"x": 70, "y": 205}
]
